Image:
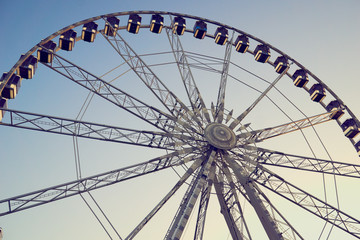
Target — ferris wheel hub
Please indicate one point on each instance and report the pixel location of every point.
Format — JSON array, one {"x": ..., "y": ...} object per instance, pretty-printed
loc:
[{"x": 220, "y": 136}]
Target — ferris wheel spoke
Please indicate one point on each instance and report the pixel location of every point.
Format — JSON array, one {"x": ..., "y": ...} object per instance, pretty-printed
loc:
[
  {"x": 51, "y": 194},
  {"x": 269, "y": 224},
  {"x": 266, "y": 133},
  {"x": 231, "y": 208},
  {"x": 279, "y": 159},
  {"x": 196, "y": 164},
  {"x": 314, "y": 205},
  {"x": 204, "y": 203},
  {"x": 220, "y": 104},
  {"x": 286, "y": 229},
  {"x": 172, "y": 103},
  {"x": 188, "y": 202},
  {"x": 115, "y": 95},
  {"x": 70, "y": 127},
  {"x": 196, "y": 100},
  {"x": 237, "y": 121},
  {"x": 233, "y": 202}
]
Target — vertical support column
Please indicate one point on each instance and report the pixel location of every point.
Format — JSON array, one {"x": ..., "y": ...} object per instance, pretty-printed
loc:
[
  {"x": 182, "y": 216},
  {"x": 221, "y": 94},
  {"x": 264, "y": 216},
  {"x": 229, "y": 219},
  {"x": 204, "y": 203}
]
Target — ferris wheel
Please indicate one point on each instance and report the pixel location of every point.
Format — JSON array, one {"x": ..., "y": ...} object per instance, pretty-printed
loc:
[{"x": 240, "y": 123}]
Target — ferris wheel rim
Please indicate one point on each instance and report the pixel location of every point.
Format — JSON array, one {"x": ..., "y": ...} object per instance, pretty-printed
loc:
[{"x": 30, "y": 52}]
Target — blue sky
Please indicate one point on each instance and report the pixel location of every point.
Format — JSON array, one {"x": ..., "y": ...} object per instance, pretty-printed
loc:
[{"x": 321, "y": 35}]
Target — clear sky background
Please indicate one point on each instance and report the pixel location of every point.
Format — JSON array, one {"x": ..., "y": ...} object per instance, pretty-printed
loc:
[{"x": 322, "y": 35}]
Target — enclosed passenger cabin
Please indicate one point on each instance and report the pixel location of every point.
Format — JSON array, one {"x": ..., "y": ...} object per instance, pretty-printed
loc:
[
  {"x": 262, "y": 53},
  {"x": 317, "y": 92},
  {"x": 67, "y": 40},
  {"x": 350, "y": 128},
  {"x": 179, "y": 25},
  {"x": 300, "y": 78},
  {"x": 12, "y": 87},
  {"x": 156, "y": 23},
  {"x": 45, "y": 53},
  {"x": 111, "y": 26},
  {"x": 280, "y": 64},
  {"x": 242, "y": 43},
  {"x": 27, "y": 68},
  {"x": 357, "y": 147},
  {"x": 200, "y": 29},
  {"x": 221, "y": 35},
  {"x": 3, "y": 105},
  {"x": 89, "y": 31},
  {"x": 336, "y": 108},
  {"x": 133, "y": 24}
]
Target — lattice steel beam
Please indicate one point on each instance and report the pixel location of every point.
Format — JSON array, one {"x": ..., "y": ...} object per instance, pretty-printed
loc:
[
  {"x": 220, "y": 104},
  {"x": 196, "y": 100},
  {"x": 70, "y": 127},
  {"x": 174, "y": 105},
  {"x": 266, "y": 133},
  {"x": 204, "y": 203},
  {"x": 187, "y": 204},
  {"x": 306, "y": 201},
  {"x": 265, "y": 217},
  {"x": 197, "y": 163},
  {"x": 115, "y": 95},
  {"x": 279, "y": 159},
  {"x": 227, "y": 205},
  {"x": 51, "y": 194}
]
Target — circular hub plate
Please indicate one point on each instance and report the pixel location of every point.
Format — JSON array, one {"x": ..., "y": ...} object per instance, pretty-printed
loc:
[{"x": 220, "y": 136}]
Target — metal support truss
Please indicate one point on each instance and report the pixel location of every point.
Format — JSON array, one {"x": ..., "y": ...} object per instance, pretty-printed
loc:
[
  {"x": 197, "y": 103},
  {"x": 188, "y": 202},
  {"x": 265, "y": 218},
  {"x": 220, "y": 104},
  {"x": 233, "y": 201},
  {"x": 306, "y": 201},
  {"x": 266, "y": 133},
  {"x": 50, "y": 124},
  {"x": 204, "y": 203},
  {"x": 286, "y": 229},
  {"x": 197, "y": 163},
  {"x": 279, "y": 159},
  {"x": 51, "y": 194},
  {"x": 116, "y": 96},
  {"x": 177, "y": 108},
  {"x": 230, "y": 207}
]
